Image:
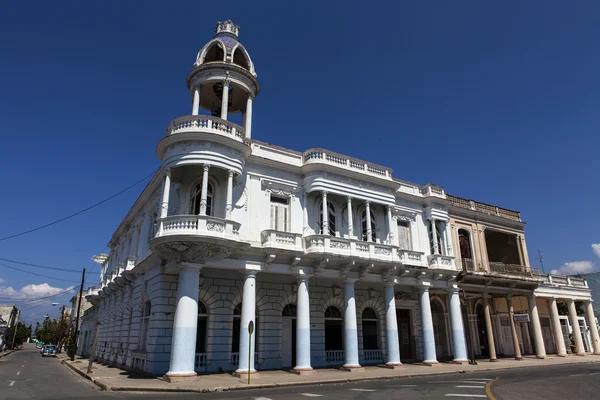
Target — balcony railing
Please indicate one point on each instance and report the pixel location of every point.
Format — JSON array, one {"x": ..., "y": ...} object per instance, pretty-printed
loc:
[
  {"x": 439, "y": 261},
  {"x": 350, "y": 248},
  {"x": 334, "y": 356},
  {"x": 484, "y": 208},
  {"x": 559, "y": 280},
  {"x": 205, "y": 123},
  {"x": 409, "y": 257},
  {"x": 321, "y": 156},
  {"x": 271, "y": 238},
  {"x": 201, "y": 360},
  {"x": 199, "y": 225},
  {"x": 490, "y": 267},
  {"x": 372, "y": 357},
  {"x": 235, "y": 359}
]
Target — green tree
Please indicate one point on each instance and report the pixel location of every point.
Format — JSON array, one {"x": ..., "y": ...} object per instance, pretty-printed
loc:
[{"x": 23, "y": 332}]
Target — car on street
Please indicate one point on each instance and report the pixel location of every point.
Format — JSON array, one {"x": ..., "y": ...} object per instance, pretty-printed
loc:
[{"x": 49, "y": 350}]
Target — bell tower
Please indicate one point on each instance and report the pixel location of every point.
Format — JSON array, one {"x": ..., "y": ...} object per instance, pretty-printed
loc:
[{"x": 223, "y": 80}]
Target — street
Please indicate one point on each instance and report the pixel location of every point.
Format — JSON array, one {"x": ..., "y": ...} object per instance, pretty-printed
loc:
[{"x": 26, "y": 375}]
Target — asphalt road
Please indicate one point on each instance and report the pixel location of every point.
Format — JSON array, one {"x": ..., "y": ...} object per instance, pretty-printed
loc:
[{"x": 26, "y": 375}]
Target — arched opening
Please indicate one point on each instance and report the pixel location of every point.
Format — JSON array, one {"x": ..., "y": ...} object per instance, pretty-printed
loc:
[
  {"x": 239, "y": 58},
  {"x": 288, "y": 336},
  {"x": 196, "y": 199},
  {"x": 214, "y": 53},
  {"x": 464, "y": 243},
  {"x": 334, "y": 337},
  {"x": 363, "y": 218},
  {"x": 482, "y": 331},
  {"x": 369, "y": 329},
  {"x": 330, "y": 218},
  {"x": 439, "y": 329},
  {"x": 201, "y": 333}
]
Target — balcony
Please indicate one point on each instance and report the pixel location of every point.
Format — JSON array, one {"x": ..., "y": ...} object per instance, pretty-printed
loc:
[
  {"x": 321, "y": 156},
  {"x": 350, "y": 248},
  {"x": 558, "y": 280},
  {"x": 199, "y": 225},
  {"x": 273, "y": 239},
  {"x": 208, "y": 124},
  {"x": 438, "y": 261},
  {"x": 498, "y": 268},
  {"x": 409, "y": 257},
  {"x": 484, "y": 208}
]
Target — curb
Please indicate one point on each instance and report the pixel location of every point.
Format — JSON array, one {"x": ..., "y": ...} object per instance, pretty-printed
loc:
[
  {"x": 7, "y": 353},
  {"x": 107, "y": 387}
]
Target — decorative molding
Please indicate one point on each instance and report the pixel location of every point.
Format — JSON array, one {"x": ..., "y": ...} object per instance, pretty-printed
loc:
[
  {"x": 321, "y": 266},
  {"x": 407, "y": 296},
  {"x": 193, "y": 252},
  {"x": 203, "y": 146},
  {"x": 346, "y": 269}
]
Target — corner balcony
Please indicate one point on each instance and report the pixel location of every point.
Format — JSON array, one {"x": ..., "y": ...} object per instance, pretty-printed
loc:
[
  {"x": 324, "y": 244},
  {"x": 272, "y": 239},
  {"x": 438, "y": 261},
  {"x": 207, "y": 124},
  {"x": 197, "y": 238}
]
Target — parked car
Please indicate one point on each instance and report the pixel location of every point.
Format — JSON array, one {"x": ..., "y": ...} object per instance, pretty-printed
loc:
[{"x": 49, "y": 350}]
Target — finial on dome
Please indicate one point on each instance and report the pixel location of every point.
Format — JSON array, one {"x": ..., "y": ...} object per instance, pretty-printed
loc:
[{"x": 227, "y": 27}]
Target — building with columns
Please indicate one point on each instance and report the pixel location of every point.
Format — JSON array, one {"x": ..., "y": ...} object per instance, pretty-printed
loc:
[{"x": 332, "y": 260}]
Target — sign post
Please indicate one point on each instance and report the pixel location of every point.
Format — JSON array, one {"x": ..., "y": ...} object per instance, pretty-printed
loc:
[{"x": 250, "y": 331}]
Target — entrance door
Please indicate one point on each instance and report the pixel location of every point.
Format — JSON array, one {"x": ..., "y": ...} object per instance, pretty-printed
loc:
[
  {"x": 288, "y": 336},
  {"x": 405, "y": 334},
  {"x": 482, "y": 331},
  {"x": 547, "y": 334}
]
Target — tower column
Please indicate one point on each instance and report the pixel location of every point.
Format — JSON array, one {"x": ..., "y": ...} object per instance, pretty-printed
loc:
[
  {"x": 513, "y": 328},
  {"x": 225, "y": 99},
  {"x": 436, "y": 245},
  {"x": 591, "y": 321},
  {"x": 305, "y": 211},
  {"x": 228, "y": 204},
  {"x": 350, "y": 328},
  {"x": 196, "y": 103},
  {"x": 325, "y": 219},
  {"x": 488, "y": 328},
  {"x": 368, "y": 217},
  {"x": 248, "y": 117},
  {"x": 183, "y": 347},
  {"x": 350, "y": 224},
  {"x": 540, "y": 349},
  {"x": 390, "y": 225},
  {"x": 391, "y": 328},
  {"x": 302, "y": 328},
  {"x": 165, "y": 198},
  {"x": 204, "y": 192}
]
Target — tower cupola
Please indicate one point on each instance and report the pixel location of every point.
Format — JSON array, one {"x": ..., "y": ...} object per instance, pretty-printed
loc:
[{"x": 223, "y": 80}]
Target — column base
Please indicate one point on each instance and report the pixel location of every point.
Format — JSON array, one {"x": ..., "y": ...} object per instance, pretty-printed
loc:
[
  {"x": 561, "y": 355},
  {"x": 393, "y": 365},
  {"x": 179, "y": 376},
  {"x": 596, "y": 353},
  {"x": 460, "y": 362},
  {"x": 431, "y": 363},
  {"x": 541, "y": 357},
  {"x": 352, "y": 368},
  {"x": 518, "y": 358},
  {"x": 581, "y": 354},
  {"x": 493, "y": 360},
  {"x": 303, "y": 371},
  {"x": 243, "y": 373}
]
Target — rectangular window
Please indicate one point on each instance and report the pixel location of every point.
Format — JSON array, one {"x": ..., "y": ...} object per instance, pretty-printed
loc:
[
  {"x": 436, "y": 242},
  {"x": 280, "y": 213},
  {"x": 404, "y": 239}
]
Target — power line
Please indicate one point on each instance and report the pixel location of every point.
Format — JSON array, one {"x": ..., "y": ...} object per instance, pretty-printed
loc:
[
  {"x": 62, "y": 292},
  {"x": 36, "y": 274},
  {"x": 40, "y": 266},
  {"x": 77, "y": 213}
]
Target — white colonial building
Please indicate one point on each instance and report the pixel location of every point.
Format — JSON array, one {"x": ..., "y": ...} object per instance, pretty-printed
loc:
[{"x": 331, "y": 259}]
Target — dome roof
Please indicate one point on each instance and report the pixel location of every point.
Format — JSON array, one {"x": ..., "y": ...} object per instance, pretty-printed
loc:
[{"x": 225, "y": 47}]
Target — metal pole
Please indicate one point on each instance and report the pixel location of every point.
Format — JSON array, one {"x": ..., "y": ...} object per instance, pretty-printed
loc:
[{"x": 76, "y": 333}]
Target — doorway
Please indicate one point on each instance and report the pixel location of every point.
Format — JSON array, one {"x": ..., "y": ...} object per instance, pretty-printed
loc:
[
  {"x": 288, "y": 336},
  {"x": 482, "y": 331},
  {"x": 405, "y": 335}
]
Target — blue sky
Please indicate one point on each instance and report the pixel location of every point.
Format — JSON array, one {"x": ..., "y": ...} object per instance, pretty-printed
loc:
[{"x": 495, "y": 101}]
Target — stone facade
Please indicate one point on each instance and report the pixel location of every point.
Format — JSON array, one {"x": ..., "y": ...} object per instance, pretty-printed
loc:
[{"x": 330, "y": 259}]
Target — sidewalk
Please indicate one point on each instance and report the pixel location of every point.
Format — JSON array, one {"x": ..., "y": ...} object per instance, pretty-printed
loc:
[{"x": 109, "y": 378}]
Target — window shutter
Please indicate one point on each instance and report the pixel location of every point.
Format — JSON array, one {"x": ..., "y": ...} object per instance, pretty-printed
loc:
[
  {"x": 404, "y": 236},
  {"x": 281, "y": 214}
]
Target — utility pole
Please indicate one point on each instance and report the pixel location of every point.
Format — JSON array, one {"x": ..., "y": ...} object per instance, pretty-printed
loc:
[
  {"x": 541, "y": 260},
  {"x": 76, "y": 333}
]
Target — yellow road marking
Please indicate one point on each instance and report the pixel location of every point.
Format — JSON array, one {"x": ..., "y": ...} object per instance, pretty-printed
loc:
[{"x": 488, "y": 389}]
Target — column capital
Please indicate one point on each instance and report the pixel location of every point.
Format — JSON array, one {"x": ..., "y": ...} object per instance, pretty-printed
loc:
[
  {"x": 453, "y": 289},
  {"x": 367, "y": 203},
  {"x": 230, "y": 172},
  {"x": 206, "y": 167},
  {"x": 424, "y": 289},
  {"x": 349, "y": 280},
  {"x": 324, "y": 193},
  {"x": 300, "y": 278},
  {"x": 167, "y": 171},
  {"x": 226, "y": 80},
  {"x": 248, "y": 272},
  {"x": 389, "y": 284},
  {"x": 348, "y": 199}
]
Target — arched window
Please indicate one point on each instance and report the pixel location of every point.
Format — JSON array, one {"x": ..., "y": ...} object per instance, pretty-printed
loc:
[
  {"x": 196, "y": 197},
  {"x": 464, "y": 243},
  {"x": 334, "y": 338},
  {"x": 239, "y": 58},
  {"x": 289, "y": 311},
  {"x": 214, "y": 53},
  {"x": 202, "y": 329},
  {"x": 330, "y": 218},
  {"x": 363, "y": 218},
  {"x": 369, "y": 329}
]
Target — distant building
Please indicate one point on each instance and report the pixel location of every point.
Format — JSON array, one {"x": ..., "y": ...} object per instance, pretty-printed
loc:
[
  {"x": 8, "y": 316},
  {"x": 241, "y": 255}
]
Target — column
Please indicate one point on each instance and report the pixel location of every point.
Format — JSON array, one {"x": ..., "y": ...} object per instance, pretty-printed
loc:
[
  {"x": 248, "y": 314},
  {"x": 302, "y": 328},
  {"x": 228, "y": 205},
  {"x": 579, "y": 349},
  {"x": 325, "y": 219},
  {"x": 196, "y": 104},
  {"x": 390, "y": 225},
  {"x": 488, "y": 328},
  {"x": 225, "y": 99},
  {"x": 436, "y": 246},
  {"x": 513, "y": 328},
  {"x": 165, "y": 198},
  {"x": 135, "y": 241},
  {"x": 248, "y": 117},
  {"x": 350, "y": 328},
  {"x": 145, "y": 231},
  {"x": 204, "y": 192},
  {"x": 391, "y": 328},
  {"x": 350, "y": 224},
  {"x": 305, "y": 211},
  {"x": 540, "y": 349},
  {"x": 591, "y": 322},
  {"x": 427, "y": 327},
  {"x": 183, "y": 347},
  {"x": 558, "y": 335},
  {"x": 459, "y": 343},
  {"x": 368, "y": 215},
  {"x": 448, "y": 239}
]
